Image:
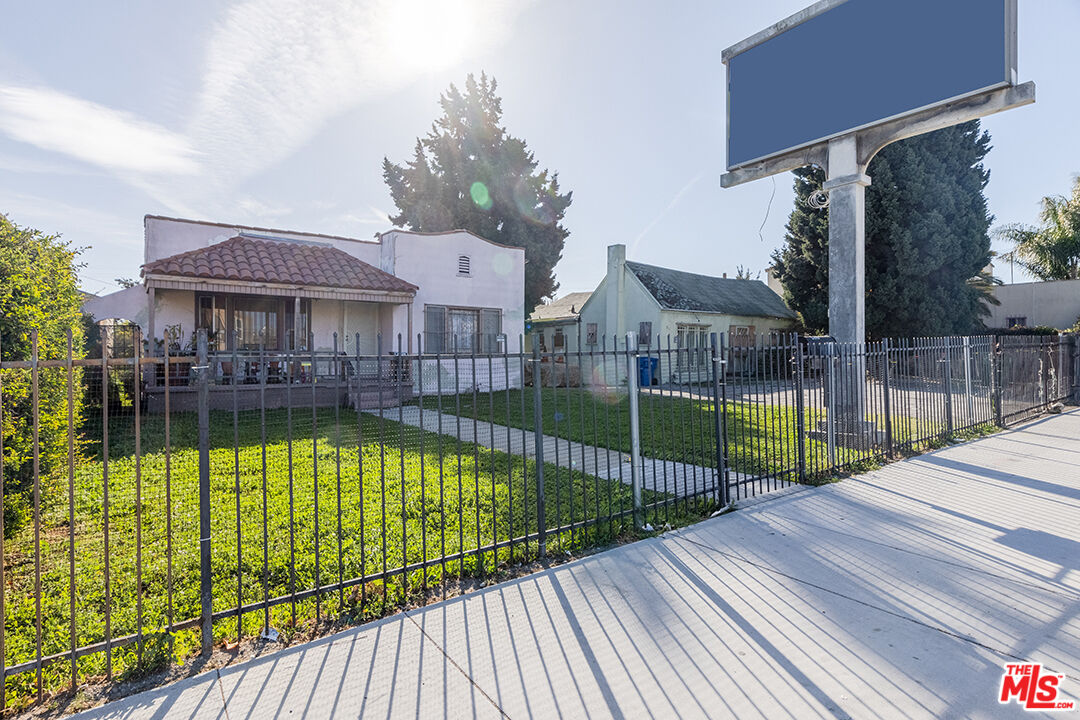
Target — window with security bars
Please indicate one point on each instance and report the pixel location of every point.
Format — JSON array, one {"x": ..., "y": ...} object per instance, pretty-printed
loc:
[
  {"x": 692, "y": 341},
  {"x": 461, "y": 330},
  {"x": 591, "y": 332}
]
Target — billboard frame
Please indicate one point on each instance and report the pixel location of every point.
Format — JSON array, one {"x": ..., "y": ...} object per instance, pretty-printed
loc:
[{"x": 1010, "y": 76}]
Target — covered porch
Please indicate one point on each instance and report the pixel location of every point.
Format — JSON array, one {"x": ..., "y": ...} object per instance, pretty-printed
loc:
[{"x": 277, "y": 315}]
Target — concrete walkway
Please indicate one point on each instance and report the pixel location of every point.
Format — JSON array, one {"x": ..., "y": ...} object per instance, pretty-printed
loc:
[
  {"x": 666, "y": 476},
  {"x": 897, "y": 594}
]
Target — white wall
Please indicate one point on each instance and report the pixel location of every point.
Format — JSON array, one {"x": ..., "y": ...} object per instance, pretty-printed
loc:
[
  {"x": 431, "y": 262},
  {"x": 1054, "y": 304},
  {"x": 174, "y": 307},
  {"x": 127, "y": 304},
  {"x": 362, "y": 318},
  {"x": 164, "y": 237}
]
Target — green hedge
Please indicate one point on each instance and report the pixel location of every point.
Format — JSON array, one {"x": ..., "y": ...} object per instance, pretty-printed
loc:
[{"x": 38, "y": 291}]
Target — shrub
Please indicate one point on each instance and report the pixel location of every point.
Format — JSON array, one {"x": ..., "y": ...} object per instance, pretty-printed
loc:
[{"x": 38, "y": 291}]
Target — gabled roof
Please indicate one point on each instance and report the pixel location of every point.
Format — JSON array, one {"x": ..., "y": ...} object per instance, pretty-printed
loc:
[
  {"x": 567, "y": 307},
  {"x": 246, "y": 259},
  {"x": 678, "y": 290}
]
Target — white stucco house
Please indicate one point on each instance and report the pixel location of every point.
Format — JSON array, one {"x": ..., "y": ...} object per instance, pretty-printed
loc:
[
  {"x": 256, "y": 288},
  {"x": 660, "y": 305}
]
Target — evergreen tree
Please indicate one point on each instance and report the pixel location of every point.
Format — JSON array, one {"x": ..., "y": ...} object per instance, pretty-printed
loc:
[
  {"x": 927, "y": 239},
  {"x": 469, "y": 173}
]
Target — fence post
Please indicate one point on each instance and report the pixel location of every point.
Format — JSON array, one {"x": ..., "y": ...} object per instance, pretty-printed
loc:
[
  {"x": 830, "y": 405},
  {"x": 202, "y": 383},
  {"x": 1045, "y": 366},
  {"x": 635, "y": 427},
  {"x": 886, "y": 378},
  {"x": 995, "y": 380},
  {"x": 538, "y": 435},
  {"x": 719, "y": 415},
  {"x": 800, "y": 409},
  {"x": 968, "y": 392},
  {"x": 1076, "y": 369},
  {"x": 948, "y": 387}
]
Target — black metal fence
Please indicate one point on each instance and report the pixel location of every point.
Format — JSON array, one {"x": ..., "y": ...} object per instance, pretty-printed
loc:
[{"x": 155, "y": 505}]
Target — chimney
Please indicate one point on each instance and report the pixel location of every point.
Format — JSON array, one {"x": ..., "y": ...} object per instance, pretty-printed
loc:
[
  {"x": 388, "y": 252},
  {"x": 615, "y": 320},
  {"x": 725, "y": 276}
]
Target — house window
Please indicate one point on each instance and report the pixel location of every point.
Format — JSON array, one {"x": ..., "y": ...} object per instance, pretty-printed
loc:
[
  {"x": 255, "y": 322},
  {"x": 692, "y": 342},
  {"x": 559, "y": 341},
  {"x": 591, "y": 331},
  {"x": 1016, "y": 322},
  {"x": 464, "y": 265},
  {"x": 211, "y": 315},
  {"x": 461, "y": 330},
  {"x": 644, "y": 334},
  {"x": 250, "y": 322}
]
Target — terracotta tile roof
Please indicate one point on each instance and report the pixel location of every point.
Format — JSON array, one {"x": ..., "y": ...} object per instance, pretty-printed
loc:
[{"x": 248, "y": 259}]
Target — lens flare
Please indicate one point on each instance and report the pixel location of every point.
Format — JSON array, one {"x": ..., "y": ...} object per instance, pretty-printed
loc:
[
  {"x": 530, "y": 206},
  {"x": 480, "y": 195}
]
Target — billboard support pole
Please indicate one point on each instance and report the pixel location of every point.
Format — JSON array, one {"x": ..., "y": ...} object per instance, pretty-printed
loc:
[{"x": 846, "y": 184}]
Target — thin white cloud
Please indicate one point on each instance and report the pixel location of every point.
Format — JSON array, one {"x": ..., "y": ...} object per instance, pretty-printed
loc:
[
  {"x": 274, "y": 73},
  {"x": 94, "y": 133},
  {"x": 663, "y": 213},
  {"x": 277, "y": 70},
  {"x": 254, "y": 208}
]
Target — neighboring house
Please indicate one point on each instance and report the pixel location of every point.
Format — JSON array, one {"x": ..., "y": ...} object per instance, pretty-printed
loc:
[
  {"x": 557, "y": 324},
  {"x": 661, "y": 305},
  {"x": 255, "y": 288},
  {"x": 1055, "y": 303}
]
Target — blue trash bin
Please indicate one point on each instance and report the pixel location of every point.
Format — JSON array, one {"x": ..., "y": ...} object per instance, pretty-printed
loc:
[{"x": 648, "y": 370}]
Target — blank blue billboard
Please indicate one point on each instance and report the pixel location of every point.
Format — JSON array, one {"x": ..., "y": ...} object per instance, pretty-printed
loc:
[{"x": 861, "y": 62}]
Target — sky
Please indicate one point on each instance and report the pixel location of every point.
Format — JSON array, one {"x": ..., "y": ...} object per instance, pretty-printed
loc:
[{"x": 278, "y": 113}]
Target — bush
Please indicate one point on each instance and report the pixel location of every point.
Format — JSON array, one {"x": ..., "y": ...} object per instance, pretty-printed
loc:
[{"x": 38, "y": 291}]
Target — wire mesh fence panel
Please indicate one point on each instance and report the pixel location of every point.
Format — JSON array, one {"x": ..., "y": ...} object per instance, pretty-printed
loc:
[{"x": 157, "y": 500}]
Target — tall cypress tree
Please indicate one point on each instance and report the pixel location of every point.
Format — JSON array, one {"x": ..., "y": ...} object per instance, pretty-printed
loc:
[
  {"x": 469, "y": 173},
  {"x": 927, "y": 239}
]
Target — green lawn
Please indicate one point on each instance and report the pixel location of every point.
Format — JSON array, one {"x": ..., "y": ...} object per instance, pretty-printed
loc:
[
  {"x": 760, "y": 438},
  {"x": 435, "y": 502}
]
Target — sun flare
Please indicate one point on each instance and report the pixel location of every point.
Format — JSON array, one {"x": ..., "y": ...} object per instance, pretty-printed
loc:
[{"x": 429, "y": 34}]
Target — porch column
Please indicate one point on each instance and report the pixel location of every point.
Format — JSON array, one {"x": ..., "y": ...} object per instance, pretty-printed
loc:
[
  {"x": 152, "y": 335},
  {"x": 341, "y": 327},
  {"x": 409, "y": 325},
  {"x": 296, "y": 321}
]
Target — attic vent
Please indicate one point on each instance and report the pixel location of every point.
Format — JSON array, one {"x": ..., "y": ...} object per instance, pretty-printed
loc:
[{"x": 464, "y": 265}]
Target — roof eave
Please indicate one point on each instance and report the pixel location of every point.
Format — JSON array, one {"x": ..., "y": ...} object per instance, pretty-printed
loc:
[{"x": 164, "y": 281}]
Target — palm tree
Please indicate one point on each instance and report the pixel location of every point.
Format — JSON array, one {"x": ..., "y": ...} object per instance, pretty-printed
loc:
[{"x": 1050, "y": 251}]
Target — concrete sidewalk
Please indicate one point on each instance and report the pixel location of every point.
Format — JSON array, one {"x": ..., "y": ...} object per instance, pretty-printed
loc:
[{"x": 898, "y": 594}]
